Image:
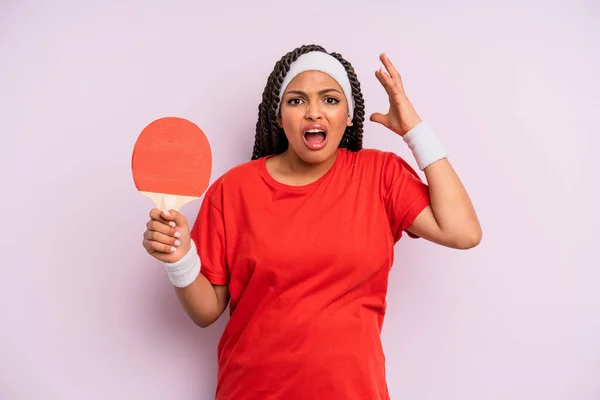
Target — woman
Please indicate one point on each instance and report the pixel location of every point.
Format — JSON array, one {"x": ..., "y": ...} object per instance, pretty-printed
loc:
[{"x": 299, "y": 240}]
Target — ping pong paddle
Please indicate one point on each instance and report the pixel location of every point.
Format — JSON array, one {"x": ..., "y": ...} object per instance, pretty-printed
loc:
[{"x": 171, "y": 162}]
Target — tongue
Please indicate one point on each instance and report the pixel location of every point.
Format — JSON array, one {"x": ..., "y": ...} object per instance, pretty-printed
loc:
[{"x": 314, "y": 138}]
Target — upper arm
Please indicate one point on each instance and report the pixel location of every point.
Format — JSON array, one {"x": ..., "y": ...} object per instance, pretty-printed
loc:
[
  {"x": 222, "y": 298},
  {"x": 208, "y": 233},
  {"x": 425, "y": 226},
  {"x": 404, "y": 194}
]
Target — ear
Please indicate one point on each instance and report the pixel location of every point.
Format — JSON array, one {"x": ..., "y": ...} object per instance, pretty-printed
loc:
[
  {"x": 349, "y": 121},
  {"x": 279, "y": 121}
]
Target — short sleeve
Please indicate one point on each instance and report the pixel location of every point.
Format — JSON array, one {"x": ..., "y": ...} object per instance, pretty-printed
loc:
[
  {"x": 405, "y": 195},
  {"x": 208, "y": 233}
]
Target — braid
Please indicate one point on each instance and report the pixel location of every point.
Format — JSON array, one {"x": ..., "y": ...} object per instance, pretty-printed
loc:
[
  {"x": 352, "y": 139},
  {"x": 270, "y": 138}
]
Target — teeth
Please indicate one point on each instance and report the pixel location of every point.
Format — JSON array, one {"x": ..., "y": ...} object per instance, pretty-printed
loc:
[{"x": 315, "y": 131}]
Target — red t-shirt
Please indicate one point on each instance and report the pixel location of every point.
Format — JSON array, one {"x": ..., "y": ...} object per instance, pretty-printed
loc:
[{"x": 307, "y": 269}]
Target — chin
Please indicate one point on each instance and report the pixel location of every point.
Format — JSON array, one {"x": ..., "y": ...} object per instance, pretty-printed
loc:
[{"x": 316, "y": 156}]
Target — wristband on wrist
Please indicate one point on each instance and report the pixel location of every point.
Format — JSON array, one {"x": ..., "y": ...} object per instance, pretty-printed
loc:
[
  {"x": 185, "y": 271},
  {"x": 425, "y": 145}
]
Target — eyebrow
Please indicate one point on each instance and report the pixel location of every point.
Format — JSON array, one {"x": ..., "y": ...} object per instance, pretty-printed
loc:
[{"x": 321, "y": 92}]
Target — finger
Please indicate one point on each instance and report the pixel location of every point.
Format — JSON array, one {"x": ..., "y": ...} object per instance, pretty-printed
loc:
[
  {"x": 168, "y": 214},
  {"x": 178, "y": 218},
  {"x": 160, "y": 247},
  {"x": 394, "y": 88},
  {"x": 379, "y": 118},
  {"x": 389, "y": 66},
  {"x": 146, "y": 245},
  {"x": 394, "y": 74},
  {"x": 385, "y": 81},
  {"x": 158, "y": 226},
  {"x": 162, "y": 238},
  {"x": 161, "y": 216}
]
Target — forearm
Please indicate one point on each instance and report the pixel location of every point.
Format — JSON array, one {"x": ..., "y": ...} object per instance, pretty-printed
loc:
[
  {"x": 451, "y": 205},
  {"x": 200, "y": 301},
  {"x": 451, "y": 219}
]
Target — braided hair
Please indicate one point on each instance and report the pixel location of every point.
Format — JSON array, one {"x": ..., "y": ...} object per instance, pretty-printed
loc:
[{"x": 270, "y": 138}]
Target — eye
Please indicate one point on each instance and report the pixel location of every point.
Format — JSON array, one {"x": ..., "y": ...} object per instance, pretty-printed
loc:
[
  {"x": 331, "y": 100},
  {"x": 294, "y": 102}
]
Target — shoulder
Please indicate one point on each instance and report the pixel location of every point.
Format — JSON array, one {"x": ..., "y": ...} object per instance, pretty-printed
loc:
[
  {"x": 234, "y": 178},
  {"x": 241, "y": 172},
  {"x": 385, "y": 168},
  {"x": 377, "y": 159},
  {"x": 372, "y": 155}
]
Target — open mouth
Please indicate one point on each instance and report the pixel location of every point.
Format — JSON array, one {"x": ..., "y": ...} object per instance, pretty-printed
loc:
[{"x": 315, "y": 138}]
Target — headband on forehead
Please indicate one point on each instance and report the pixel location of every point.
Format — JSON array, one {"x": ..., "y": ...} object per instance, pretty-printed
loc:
[{"x": 323, "y": 62}]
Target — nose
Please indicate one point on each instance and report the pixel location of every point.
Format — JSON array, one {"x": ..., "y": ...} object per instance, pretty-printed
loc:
[{"x": 313, "y": 111}]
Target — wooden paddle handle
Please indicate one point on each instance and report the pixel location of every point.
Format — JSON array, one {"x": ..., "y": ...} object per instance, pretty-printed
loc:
[{"x": 164, "y": 201}]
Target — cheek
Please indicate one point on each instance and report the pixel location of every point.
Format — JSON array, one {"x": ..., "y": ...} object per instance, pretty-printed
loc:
[
  {"x": 339, "y": 118},
  {"x": 288, "y": 124},
  {"x": 291, "y": 119}
]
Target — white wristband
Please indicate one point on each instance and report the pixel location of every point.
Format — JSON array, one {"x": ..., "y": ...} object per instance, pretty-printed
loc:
[
  {"x": 425, "y": 145},
  {"x": 185, "y": 271}
]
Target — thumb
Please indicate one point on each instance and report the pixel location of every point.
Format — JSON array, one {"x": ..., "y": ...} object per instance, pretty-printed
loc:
[
  {"x": 169, "y": 215},
  {"x": 379, "y": 118},
  {"x": 176, "y": 216}
]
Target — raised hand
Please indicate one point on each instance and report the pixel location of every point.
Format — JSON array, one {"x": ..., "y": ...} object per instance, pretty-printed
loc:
[{"x": 401, "y": 117}]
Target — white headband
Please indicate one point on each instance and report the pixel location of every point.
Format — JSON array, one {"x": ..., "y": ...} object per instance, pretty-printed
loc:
[{"x": 320, "y": 61}]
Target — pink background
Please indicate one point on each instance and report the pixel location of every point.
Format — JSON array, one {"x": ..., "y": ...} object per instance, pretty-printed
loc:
[{"x": 511, "y": 88}]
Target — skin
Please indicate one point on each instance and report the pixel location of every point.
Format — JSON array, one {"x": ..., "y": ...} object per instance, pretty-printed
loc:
[
  {"x": 315, "y": 97},
  {"x": 167, "y": 238},
  {"x": 312, "y": 97},
  {"x": 450, "y": 220}
]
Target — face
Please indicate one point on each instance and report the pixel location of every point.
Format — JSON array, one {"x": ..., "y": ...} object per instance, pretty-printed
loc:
[{"x": 314, "y": 116}]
